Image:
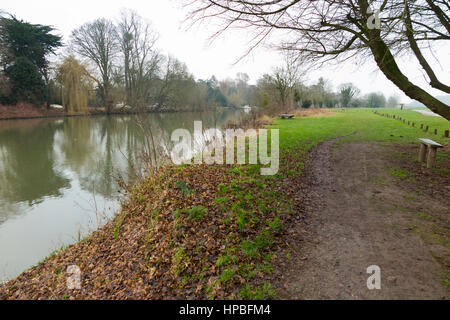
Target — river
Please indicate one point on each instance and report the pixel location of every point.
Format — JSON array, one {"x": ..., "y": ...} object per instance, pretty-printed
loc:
[{"x": 58, "y": 177}]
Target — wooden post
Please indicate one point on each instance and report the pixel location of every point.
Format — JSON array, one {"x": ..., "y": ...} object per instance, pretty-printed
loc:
[
  {"x": 422, "y": 152},
  {"x": 431, "y": 161},
  {"x": 426, "y": 129},
  {"x": 446, "y": 133},
  {"x": 435, "y": 131}
]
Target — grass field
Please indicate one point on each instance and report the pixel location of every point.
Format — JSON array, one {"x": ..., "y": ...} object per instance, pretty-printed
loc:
[
  {"x": 366, "y": 124},
  {"x": 358, "y": 125}
]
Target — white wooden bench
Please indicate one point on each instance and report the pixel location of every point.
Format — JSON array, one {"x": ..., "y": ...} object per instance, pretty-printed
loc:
[
  {"x": 428, "y": 148},
  {"x": 286, "y": 116}
]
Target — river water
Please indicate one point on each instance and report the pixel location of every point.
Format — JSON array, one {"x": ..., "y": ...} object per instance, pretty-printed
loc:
[{"x": 58, "y": 177}]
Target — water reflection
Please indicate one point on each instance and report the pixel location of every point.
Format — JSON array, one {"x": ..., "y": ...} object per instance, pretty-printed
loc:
[
  {"x": 27, "y": 166},
  {"x": 58, "y": 176}
]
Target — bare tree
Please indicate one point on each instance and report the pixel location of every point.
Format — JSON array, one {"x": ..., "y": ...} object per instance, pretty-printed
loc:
[
  {"x": 97, "y": 41},
  {"x": 280, "y": 81},
  {"x": 285, "y": 79},
  {"x": 347, "y": 92},
  {"x": 141, "y": 59},
  {"x": 174, "y": 84},
  {"x": 375, "y": 100},
  {"x": 393, "y": 101},
  {"x": 324, "y": 30}
]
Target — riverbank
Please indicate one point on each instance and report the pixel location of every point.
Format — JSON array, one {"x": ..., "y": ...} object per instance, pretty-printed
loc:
[
  {"x": 196, "y": 232},
  {"x": 27, "y": 111},
  {"x": 218, "y": 232}
]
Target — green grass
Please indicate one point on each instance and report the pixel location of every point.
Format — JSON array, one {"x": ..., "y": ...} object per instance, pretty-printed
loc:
[
  {"x": 180, "y": 261},
  {"x": 356, "y": 125},
  {"x": 262, "y": 292},
  {"x": 368, "y": 126},
  {"x": 196, "y": 213},
  {"x": 399, "y": 173},
  {"x": 433, "y": 122},
  {"x": 183, "y": 187},
  {"x": 227, "y": 275},
  {"x": 424, "y": 216}
]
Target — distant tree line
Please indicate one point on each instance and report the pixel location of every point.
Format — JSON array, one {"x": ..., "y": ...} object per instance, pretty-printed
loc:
[
  {"x": 110, "y": 64},
  {"x": 284, "y": 90},
  {"x": 117, "y": 64}
]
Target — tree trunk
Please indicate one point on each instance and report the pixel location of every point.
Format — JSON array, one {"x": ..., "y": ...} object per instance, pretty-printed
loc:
[
  {"x": 389, "y": 67},
  {"x": 108, "y": 101}
]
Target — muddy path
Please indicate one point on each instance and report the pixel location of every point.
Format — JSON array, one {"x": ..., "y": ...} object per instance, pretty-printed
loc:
[{"x": 358, "y": 220}]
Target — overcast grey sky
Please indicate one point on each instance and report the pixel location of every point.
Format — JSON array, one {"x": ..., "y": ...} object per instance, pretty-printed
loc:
[{"x": 203, "y": 58}]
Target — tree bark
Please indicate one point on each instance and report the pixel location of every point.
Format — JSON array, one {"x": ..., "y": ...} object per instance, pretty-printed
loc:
[{"x": 389, "y": 67}]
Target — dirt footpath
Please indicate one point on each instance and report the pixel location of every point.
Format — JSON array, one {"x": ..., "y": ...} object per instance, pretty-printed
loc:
[{"x": 362, "y": 219}]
